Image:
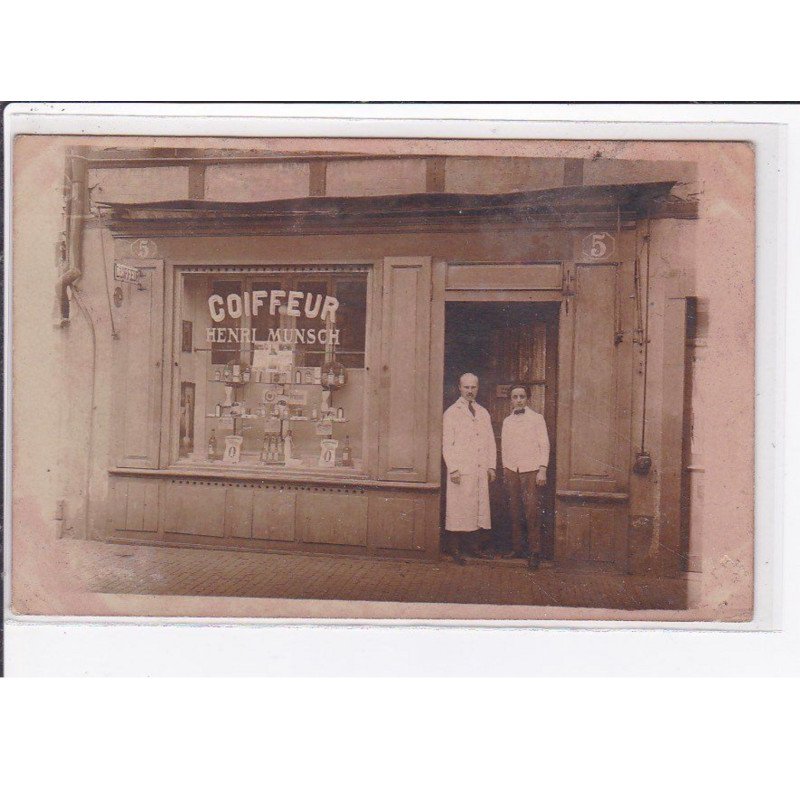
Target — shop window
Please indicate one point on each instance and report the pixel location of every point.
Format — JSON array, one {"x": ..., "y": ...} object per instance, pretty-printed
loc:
[{"x": 274, "y": 377}]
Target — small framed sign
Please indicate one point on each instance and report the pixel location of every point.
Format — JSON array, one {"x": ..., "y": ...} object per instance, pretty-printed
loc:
[
  {"x": 599, "y": 245},
  {"x": 327, "y": 455},
  {"x": 127, "y": 274},
  {"x": 233, "y": 449}
]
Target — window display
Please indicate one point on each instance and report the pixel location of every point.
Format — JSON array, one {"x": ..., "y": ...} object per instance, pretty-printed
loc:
[{"x": 276, "y": 369}]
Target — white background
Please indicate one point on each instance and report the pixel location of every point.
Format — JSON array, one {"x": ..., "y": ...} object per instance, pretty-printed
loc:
[
  {"x": 501, "y": 739},
  {"x": 181, "y": 648}
]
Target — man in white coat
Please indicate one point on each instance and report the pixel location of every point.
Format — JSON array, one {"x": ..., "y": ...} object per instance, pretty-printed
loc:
[{"x": 470, "y": 454}]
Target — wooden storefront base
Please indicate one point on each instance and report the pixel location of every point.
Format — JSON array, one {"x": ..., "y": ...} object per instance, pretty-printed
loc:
[{"x": 266, "y": 515}]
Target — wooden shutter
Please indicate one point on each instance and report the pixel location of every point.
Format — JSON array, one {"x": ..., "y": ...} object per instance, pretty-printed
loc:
[
  {"x": 404, "y": 369},
  {"x": 593, "y": 421},
  {"x": 137, "y": 368}
]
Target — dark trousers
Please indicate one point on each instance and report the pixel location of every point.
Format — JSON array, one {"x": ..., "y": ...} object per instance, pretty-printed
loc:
[
  {"x": 523, "y": 497},
  {"x": 466, "y": 542}
]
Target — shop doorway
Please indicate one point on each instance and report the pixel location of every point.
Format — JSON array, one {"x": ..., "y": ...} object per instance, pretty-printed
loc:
[{"x": 505, "y": 343}]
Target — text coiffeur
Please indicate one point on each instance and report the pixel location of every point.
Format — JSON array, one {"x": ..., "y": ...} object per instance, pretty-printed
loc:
[{"x": 277, "y": 301}]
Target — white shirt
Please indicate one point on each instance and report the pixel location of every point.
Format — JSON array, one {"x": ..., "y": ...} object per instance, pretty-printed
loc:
[{"x": 525, "y": 445}]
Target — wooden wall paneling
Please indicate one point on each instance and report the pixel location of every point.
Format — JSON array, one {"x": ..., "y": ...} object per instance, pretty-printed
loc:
[
  {"x": 195, "y": 507},
  {"x": 430, "y": 535},
  {"x": 142, "y": 511},
  {"x": 118, "y": 498},
  {"x": 602, "y": 520},
  {"x": 170, "y": 372},
  {"x": 593, "y": 444},
  {"x": 396, "y": 521},
  {"x": 239, "y": 511},
  {"x": 625, "y": 360},
  {"x": 403, "y": 444},
  {"x": 562, "y": 530},
  {"x": 138, "y": 369},
  {"x": 332, "y": 517},
  {"x": 436, "y": 374},
  {"x": 566, "y": 347},
  {"x": 579, "y": 535},
  {"x": 673, "y": 377},
  {"x": 373, "y": 359},
  {"x": 531, "y": 277},
  {"x": 274, "y": 512}
]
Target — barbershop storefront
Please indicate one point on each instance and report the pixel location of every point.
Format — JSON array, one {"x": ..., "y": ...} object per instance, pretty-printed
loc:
[{"x": 279, "y": 369}]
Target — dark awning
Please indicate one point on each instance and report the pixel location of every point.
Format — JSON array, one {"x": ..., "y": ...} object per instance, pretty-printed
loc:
[{"x": 560, "y": 207}]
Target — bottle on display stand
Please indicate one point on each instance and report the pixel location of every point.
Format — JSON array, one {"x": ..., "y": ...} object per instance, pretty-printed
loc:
[
  {"x": 287, "y": 446},
  {"x": 347, "y": 453},
  {"x": 264, "y": 457},
  {"x": 212, "y": 445}
]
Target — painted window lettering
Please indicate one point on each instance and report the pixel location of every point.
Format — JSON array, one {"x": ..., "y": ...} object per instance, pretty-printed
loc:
[{"x": 277, "y": 301}]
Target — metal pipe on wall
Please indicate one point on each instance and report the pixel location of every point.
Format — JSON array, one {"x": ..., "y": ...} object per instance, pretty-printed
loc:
[{"x": 72, "y": 247}]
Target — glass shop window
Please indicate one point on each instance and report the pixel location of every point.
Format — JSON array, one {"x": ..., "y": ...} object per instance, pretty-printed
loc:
[{"x": 271, "y": 371}]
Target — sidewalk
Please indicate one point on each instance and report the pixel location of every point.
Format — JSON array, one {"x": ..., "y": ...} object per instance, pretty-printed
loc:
[{"x": 138, "y": 569}]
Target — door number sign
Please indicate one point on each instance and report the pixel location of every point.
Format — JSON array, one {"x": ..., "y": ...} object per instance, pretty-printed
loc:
[{"x": 600, "y": 245}]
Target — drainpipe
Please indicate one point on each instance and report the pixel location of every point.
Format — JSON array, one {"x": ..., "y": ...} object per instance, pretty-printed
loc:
[
  {"x": 70, "y": 255},
  {"x": 71, "y": 249}
]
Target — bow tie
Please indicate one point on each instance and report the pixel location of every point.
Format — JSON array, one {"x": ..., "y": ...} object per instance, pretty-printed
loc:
[{"x": 519, "y": 410}]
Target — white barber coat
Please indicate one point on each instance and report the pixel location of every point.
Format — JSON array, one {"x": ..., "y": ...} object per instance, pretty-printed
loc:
[{"x": 469, "y": 447}]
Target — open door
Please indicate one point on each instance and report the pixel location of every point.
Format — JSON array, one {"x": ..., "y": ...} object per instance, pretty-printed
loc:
[{"x": 505, "y": 343}]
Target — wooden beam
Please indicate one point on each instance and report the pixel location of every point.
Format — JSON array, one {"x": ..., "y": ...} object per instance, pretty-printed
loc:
[
  {"x": 317, "y": 178},
  {"x": 573, "y": 172},
  {"x": 197, "y": 181},
  {"x": 435, "y": 174}
]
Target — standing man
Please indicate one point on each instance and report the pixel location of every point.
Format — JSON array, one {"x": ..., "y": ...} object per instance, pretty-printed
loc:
[
  {"x": 525, "y": 452},
  {"x": 470, "y": 454}
]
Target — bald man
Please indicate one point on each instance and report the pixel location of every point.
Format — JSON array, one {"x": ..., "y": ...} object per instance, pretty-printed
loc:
[{"x": 470, "y": 454}]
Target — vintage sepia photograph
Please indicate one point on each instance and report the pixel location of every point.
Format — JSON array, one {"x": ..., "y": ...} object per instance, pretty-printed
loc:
[{"x": 383, "y": 378}]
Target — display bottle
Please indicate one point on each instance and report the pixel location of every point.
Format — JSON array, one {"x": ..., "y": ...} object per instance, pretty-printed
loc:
[
  {"x": 331, "y": 377},
  {"x": 347, "y": 453},
  {"x": 264, "y": 449},
  {"x": 212, "y": 445},
  {"x": 226, "y": 374},
  {"x": 280, "y": 453},
  {"x": 287, "y": 446},
  {"x": 217, "y": 375},
  {"x": 247, "y": 374}
]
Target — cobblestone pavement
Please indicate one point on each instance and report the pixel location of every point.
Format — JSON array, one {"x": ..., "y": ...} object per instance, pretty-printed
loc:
[{"x": 129, "y": 569}]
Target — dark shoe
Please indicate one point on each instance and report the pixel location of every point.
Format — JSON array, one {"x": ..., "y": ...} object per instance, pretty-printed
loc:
[
  {"x": 533, "y": 561},
  {"x": 459, "y": 559},
  {"x": 513, "y": 554},
  {"x": 483, "y": 555}
]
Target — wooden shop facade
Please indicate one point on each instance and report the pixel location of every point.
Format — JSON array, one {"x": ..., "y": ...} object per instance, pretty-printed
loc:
[{"x": 278, "y": 369}]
